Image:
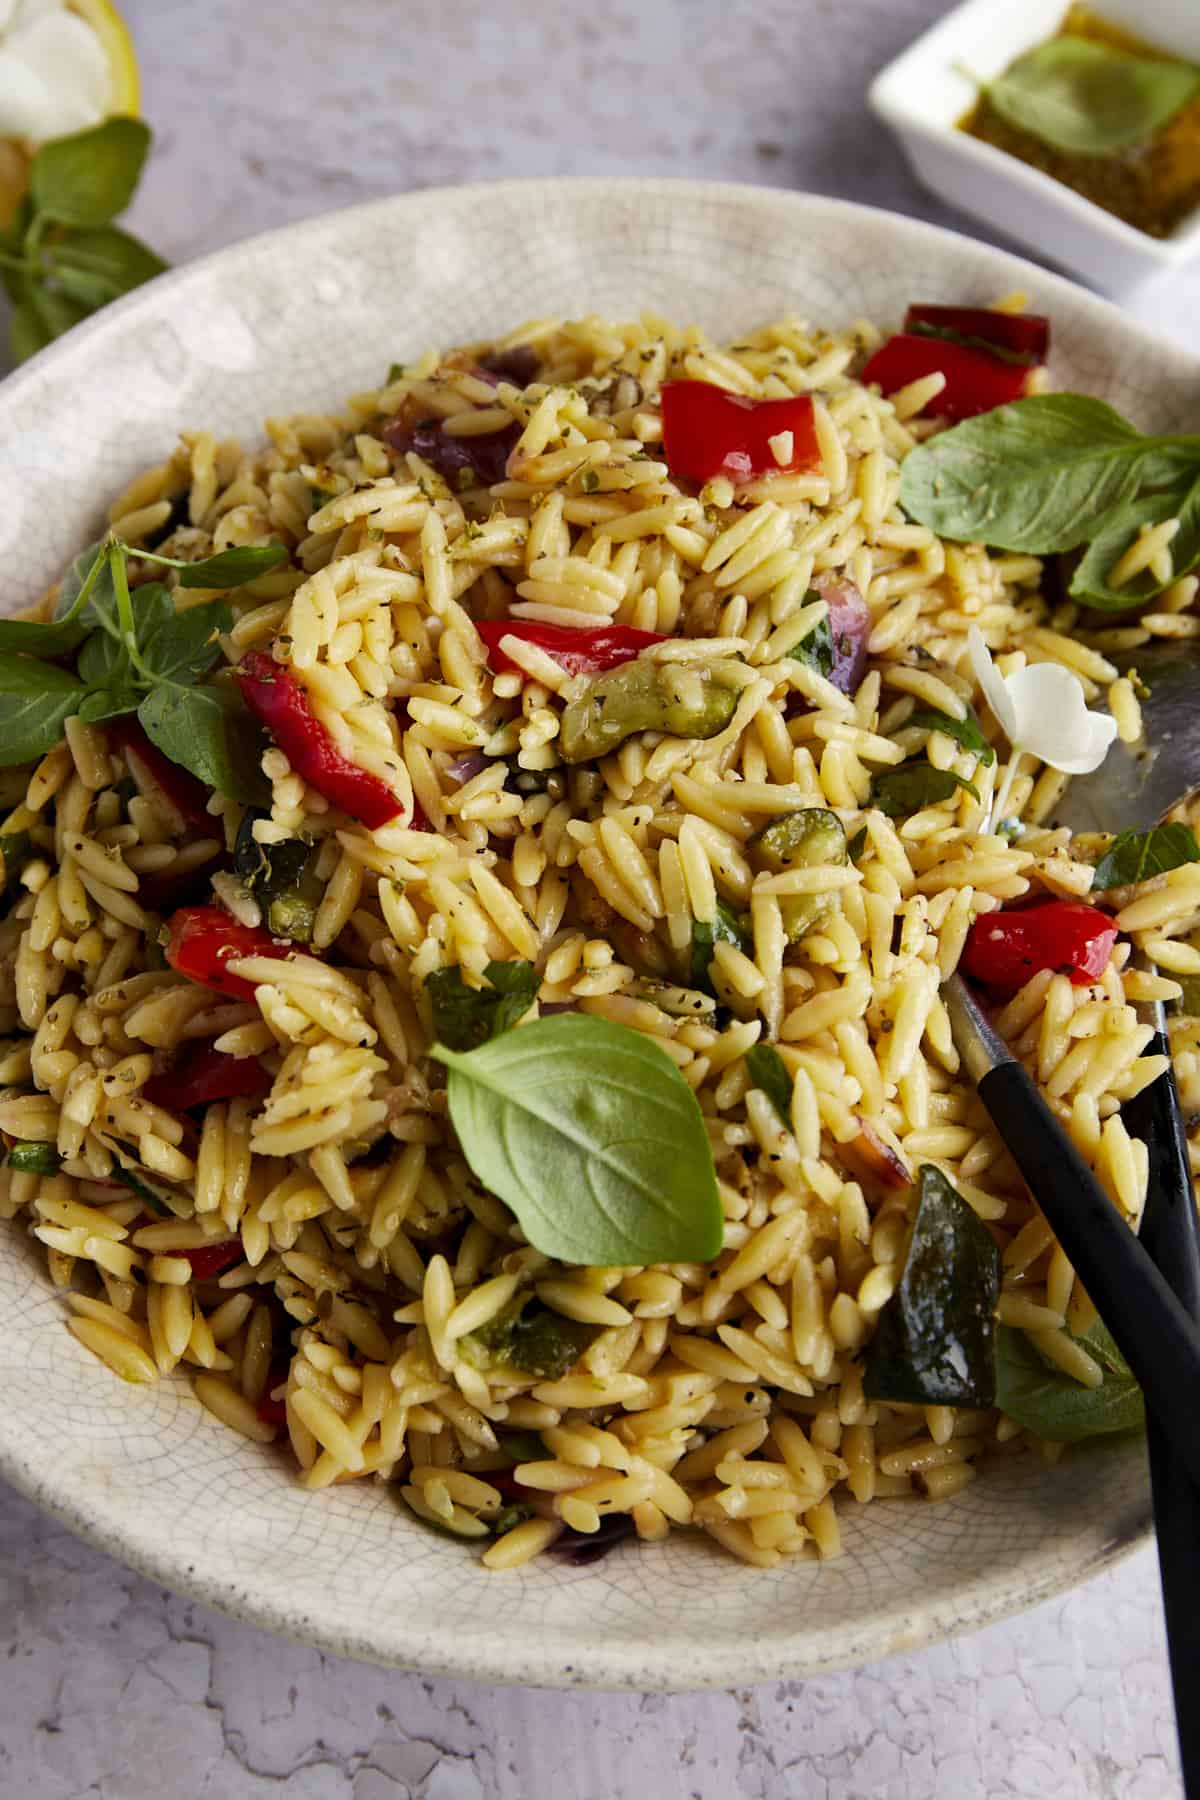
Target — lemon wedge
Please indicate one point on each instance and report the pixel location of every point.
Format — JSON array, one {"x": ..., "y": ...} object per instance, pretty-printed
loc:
[{"x": 64, "y": 65}]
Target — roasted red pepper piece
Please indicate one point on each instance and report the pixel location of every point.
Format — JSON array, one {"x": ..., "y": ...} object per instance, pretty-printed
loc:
[
  {"x": 270, "y": 1410},
  {"x": 1006, "y": 949},
  {"x": 203, "y": 940},
  {"x": 213, "y": 1259},
  {"x": 149, "y": 766},
  {"x": 708, "y": 431},
  {"x": 579, "y": 651},
  {"x": 1025, "y": 335},
  {"x": 280, "y": 701},
  {"x": 204, "y": 1074},
  {"x": 976, "y": 381}
]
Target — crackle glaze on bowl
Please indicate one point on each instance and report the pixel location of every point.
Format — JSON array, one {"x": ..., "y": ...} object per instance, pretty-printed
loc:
[{"x": 294, "y": 321}]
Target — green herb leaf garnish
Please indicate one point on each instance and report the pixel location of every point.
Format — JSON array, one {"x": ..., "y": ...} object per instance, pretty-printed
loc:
[
  {"x": 768, "y": 1071},
  {"x": 935, "y": 1341},
  {"x": 1037, "y": 476},
  {"x": 61, "y": 256},
  {"x": 1137, "y": 855},
  {"x": 1051, "y": 473},
  {"x": 594, "y": 1139},
  {"x": 1045, "y": 1400},
  {"x": 208, "y": 731},
  {"x": 465, "y": 1017},
  {"x": 1088, "y": 98},
  {"x": 965, "y": 731},
  {"x": 904, "y": 790},
  {"x": 36, "y": 700},
  {"x": 725, "y": 928}
]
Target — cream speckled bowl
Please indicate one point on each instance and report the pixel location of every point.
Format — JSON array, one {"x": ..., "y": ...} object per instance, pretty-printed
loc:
[{"x": 295, "y": 320}]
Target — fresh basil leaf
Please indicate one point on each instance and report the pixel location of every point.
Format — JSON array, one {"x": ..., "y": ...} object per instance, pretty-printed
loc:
[
  {"x": 1135, "y": 856},
  {"x": 725, "y": 928},
  {"x": 904, "y": 790},
  {"x": 30, "y": 638},
  {"x": 208, "y": 731},
  {"x": 102, "y": 661},
  {"x": 109, "y": 703},
  {"x": 1089, "y": 99},
  {"x": 105, "y": 262},
  {"x": 230, "y": 568},
  {"x": 816, "y": 647},
  {"x": 180, "y": 646},
  {"x": 35, "y": 700},
  {"x": 1048, "y": 1402},
  {"x": 1038, "y": 476},
  {"x": 966, "y": 732},
  {"x": 768, "y": 1071},
  {"x": 935, "y": 1341},
  {"x": 395, "y": 371},
  {"x": 591, "y": 1135},
  {"x": 464, "y": 1016},
  {"x": 26, "y": 332},
  {"x": 40, "y": 316},
  {"x": 1091, "y": 580},
  {"x": 99, "y": 602},
  {"x": 857, "y": 844},
  {"x": 89, "y": 177}
]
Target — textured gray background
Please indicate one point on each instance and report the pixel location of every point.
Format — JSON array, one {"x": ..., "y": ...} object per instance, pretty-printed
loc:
[{"x": 267, "y": 111}]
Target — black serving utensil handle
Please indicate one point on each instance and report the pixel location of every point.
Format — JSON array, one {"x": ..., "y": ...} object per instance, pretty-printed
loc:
[
  {"x": 1151, "y": 1328},
  {"x": 1170, "y": 1234}
]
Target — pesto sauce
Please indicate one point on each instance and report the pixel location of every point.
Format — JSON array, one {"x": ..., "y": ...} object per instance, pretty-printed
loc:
[{"x": 1152, "y": 185}]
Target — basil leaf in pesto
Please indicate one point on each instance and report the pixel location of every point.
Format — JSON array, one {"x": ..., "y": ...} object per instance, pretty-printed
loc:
[{"x": 1090, "y": 99}]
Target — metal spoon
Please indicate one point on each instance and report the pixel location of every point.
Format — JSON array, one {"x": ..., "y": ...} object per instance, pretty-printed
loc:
[{"x": 1131, "y": 791}]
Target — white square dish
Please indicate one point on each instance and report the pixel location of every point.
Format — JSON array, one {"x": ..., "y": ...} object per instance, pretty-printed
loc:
[{"x": 925, "y": 92}]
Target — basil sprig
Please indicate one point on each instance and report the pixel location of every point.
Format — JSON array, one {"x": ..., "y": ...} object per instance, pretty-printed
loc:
[
  {"x": 62, "y": 257},
  {"x": 1046, "y": 1401},
  {"x": 1089, "y": 99},
  {"x": 135, "y": 653},
  {"x": 1055, "y": 472},
  {"x": 905, "y": 789},
  {"x": 591, "y": 1135},
  {"x": 1135, "y": 856}
]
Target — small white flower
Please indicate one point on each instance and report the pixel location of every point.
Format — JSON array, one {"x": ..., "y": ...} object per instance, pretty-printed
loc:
[
  {"x": 1042, "y": 712},
  {"x": 54, "y": 74}
]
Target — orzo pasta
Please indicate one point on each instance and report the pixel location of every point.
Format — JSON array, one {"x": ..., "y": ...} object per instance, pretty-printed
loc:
[{"x": 562, "y": 724}]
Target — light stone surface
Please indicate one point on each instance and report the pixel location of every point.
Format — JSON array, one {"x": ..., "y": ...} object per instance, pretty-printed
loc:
[{"x": 267, "y": 112}]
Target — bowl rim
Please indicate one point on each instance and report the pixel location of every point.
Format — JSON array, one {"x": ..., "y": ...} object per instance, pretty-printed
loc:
[
  {"x": 888, "y": 98},
  {"x": 990, "y": 1597}
]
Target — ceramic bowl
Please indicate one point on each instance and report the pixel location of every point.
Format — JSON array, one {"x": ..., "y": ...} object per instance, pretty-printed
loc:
[
  {"x": 926, "y": 90},
  {"x": 296, "y": 320}
]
